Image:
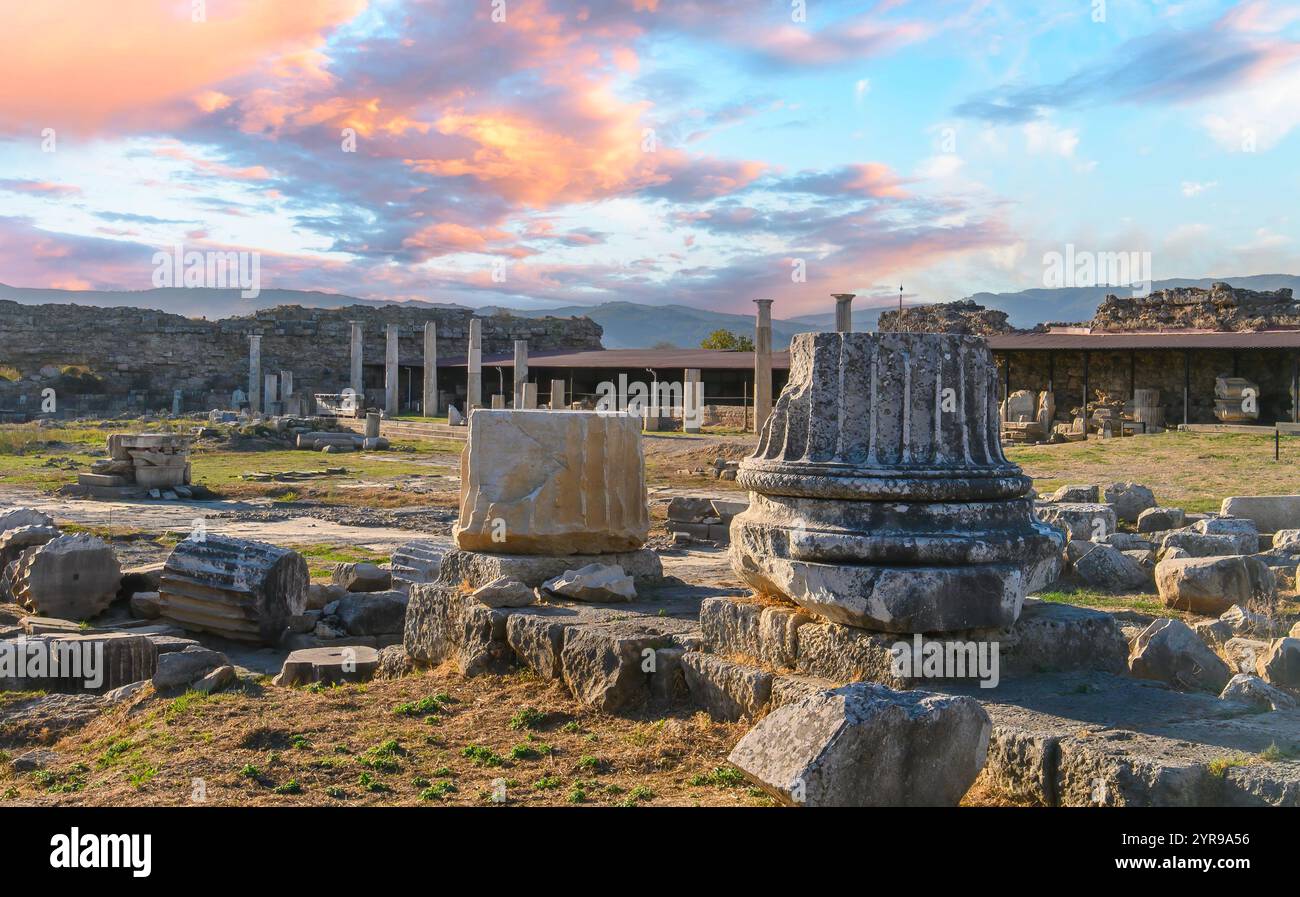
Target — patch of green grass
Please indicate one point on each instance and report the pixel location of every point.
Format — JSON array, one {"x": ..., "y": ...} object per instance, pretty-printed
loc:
[
  {"x": 1146, "y": 604},
  {"x": 1219, "y": 766},
  {"x": 422, "y": 707},
  {"x": 588, "y": 763},
  {"x": 527, "y": 718},
  {"x": 382, "y": 757},
  {"x": 576, "y": 795},
  {"x": 438, "y": 791},
  {"x": 185, "y": 703},
  {"x": 371, "y": 784},
  {"x": 482, "y": 756},
  {"x": 335, "y": 792},
  {"x": 289, "y": 787},
  {"x": 141, "y": 773},
  {"x": 547, "y": 783},
  {"x": 114, "y": 753},
  {"x": 250, "y": 771},
  {"x": 721, "y": 776},
  {"x": 302, "y": 742},
  {"x": 641, "y": 792}
]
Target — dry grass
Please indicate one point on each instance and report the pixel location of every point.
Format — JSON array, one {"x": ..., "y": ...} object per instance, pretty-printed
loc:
[
  {"x": 1193, "y": 471},
  {"x": 376, "y": 744}
]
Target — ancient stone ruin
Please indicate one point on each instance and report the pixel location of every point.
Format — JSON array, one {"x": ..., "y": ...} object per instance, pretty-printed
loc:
[
  {"x": 881, "y": 497},
  {"x": 1221, "y": 307},
  {"x": 236, "y": 588},
  {"x": 139, "y": 462}
]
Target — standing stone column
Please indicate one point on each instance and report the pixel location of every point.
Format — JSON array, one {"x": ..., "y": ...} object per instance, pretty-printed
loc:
[
  {"x": 254, "y": 373},
  {"x": 692, "y": 407},
  {"x": 762, "y": 363},
  {"x": 430, "y": 400},
  {"x": 474, "y": 366},
  {"x": 557, "y": 395},
  {"x": 390, "y": 371},
  {"x": 529, "y": 391},
  {"x": 521, "y": 370},
  {"x": 357, "y": 380},
  {"x": 843, "y": 312},
  {"x": 270, "y": 394},
  {"x": 879, "y": 494}
]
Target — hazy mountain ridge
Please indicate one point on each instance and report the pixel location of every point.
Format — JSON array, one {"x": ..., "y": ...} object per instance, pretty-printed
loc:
[{"x": 628, "y": 324}]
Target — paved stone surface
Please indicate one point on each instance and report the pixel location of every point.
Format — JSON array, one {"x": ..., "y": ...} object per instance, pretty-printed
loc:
[{"x": 1095, "y": 739}]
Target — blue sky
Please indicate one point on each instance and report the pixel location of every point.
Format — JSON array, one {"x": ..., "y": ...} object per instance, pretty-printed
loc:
[{"x": 541, "y": 152}]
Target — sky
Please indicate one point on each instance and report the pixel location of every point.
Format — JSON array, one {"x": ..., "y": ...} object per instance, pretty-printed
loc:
[{"x": 532, "y": 153}]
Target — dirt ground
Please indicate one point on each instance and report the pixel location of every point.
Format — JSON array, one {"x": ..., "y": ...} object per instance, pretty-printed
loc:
[
  {"x": 437, "y": 738},
  {"x": 471, "y": 742}
]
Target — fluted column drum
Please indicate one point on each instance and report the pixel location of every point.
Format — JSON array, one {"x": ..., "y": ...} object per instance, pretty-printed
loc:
[{"x": 879, "y": 494}]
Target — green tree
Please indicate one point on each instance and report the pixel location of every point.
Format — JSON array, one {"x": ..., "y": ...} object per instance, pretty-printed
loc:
[{"x": 727, "y": 341}]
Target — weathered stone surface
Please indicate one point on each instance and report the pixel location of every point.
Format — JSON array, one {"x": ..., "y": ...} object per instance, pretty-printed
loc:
[
  {"x": 605, "y": 665},
  {"x": 1109, "y": 569},
  {"x": 72, "y": 577},
  {"x": 351, "y": 663},
  {"x": 1248, "y": 623},
  {"x": 1168, "y": 651},
  {"x": 1269, "y": 513},
  {"x": 77, "y": 662},
  {"x": 1281, "y": 665},
  {"x": 236, "y": 588},
  {"x": 146, "y": 605},
  {"x": 1093, "y": 739},
  {"x": 13, "y": 542},
  {"x": 731, "y": 626},
  {"x": 394, "y": 663},
  {"x": 322, "y": 594},
  {"x": 1154, "y": 520},
  {"x": 1243, "y": 654},
  {"x": 1049, "y": 636},
  {"x": 216, "y": 680},
  {"x": 1129, "y": 542},
  {"x": 361, "y": 577},
  {"x": 1080, "y": 520},
  {"x": 874, "y": 507},
  {"x": 445, "y": 624},
  {"x": 778, "y": 635},
  {"x": 598, "y": 583},
  {"x": 1075, "y": 494},
  {"x": 1203, "y": 545},
  {"x": 1212, "y": 585},
  {"x": 1129, "y": 500},
  {"x": 727, "y": 691},
  {"x": 505, "y": 592},
  {"x": 1255, "y": 692},
  {"x": 416, "y": 561},
  {"x": 13, "y": 518},
  {"x": 476, "y": 568},
  {"x": 537, "y": 638},
  {"x": 178, "y": 669},
  {"x": 535, "y": 482},
  {"x": 866, "y": 745},
  {"x": 373, "y": 613}
]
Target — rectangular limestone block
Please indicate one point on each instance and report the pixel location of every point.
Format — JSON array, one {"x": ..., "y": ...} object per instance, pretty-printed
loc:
[
  {"x": 1269, "y": 512},
  {"x": 539, "y": 483}
]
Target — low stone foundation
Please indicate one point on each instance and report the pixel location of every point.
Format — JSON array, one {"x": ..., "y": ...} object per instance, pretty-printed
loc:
[{"x": 478, "y": 568}]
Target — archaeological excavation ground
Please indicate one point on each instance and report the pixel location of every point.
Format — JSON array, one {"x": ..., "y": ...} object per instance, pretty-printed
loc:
[{"x": 420, "y": 417}]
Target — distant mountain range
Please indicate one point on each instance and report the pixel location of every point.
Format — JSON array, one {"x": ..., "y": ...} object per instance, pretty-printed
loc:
[{"x": 629, "y": 325}]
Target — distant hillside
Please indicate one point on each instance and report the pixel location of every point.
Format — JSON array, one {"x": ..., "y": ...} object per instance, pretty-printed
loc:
[
  {"x": 630, "y": 325},
  {"x": 194, "y": 302}
]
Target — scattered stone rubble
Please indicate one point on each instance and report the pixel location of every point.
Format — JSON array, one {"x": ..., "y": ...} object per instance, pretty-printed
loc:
[{"x": 141, "y": 463}]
